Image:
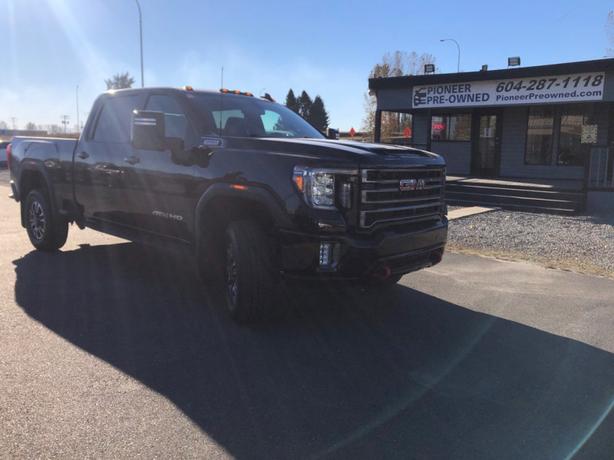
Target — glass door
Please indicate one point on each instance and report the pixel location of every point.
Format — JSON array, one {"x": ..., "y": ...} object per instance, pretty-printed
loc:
[{"x": 486, "y": 144}]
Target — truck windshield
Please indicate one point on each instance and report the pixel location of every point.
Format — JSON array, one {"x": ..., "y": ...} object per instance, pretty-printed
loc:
[{"x": 245, "y": 116}]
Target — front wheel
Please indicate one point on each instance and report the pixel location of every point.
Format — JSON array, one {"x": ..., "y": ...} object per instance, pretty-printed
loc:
[
  {"x": 47, "y": 231},
  {"x": 249, "y": 272}
]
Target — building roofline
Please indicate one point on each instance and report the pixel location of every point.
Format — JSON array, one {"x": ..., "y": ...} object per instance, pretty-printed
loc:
[{"x": 597, "y": 65}]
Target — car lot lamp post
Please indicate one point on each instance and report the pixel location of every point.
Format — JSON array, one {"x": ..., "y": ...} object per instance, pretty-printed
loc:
[
  {"x": 457, "y": 48},
  {"x": 138, "y": 5}
]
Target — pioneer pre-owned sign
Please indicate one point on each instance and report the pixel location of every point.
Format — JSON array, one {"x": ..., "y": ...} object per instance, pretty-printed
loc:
[{"x": 534, "y": 90}]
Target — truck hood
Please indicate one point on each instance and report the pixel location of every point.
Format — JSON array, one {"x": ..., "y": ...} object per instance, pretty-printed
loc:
[{"x": 365, "y": 154}]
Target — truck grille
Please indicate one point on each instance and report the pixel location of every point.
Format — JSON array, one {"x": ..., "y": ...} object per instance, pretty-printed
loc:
[{"x": 389, "y": 196}]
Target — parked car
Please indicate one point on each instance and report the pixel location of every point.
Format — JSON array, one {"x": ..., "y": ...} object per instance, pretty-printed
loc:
[
  {"x": 3, "y": 160},
  {"x": 256, "y": 192}
]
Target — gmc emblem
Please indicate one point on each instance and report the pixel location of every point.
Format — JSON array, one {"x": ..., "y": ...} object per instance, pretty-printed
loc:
[{"x": 407, "y": 185}]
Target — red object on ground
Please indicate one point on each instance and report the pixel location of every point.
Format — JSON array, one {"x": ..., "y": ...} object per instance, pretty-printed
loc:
[
  {"x": 9, "y": 154},
  {"x": 407, "y": 132},
  {"x": 352, "y": 132}
]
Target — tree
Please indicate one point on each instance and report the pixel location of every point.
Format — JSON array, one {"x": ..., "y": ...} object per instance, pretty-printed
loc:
[
  {"x": 4, "y": 124},
  {"x": 304, "y": 105},
  {"x": 318, "y": 116},
  {"x": 120, "y": 81},
  {"x": 291, "y": 101},
  {"x": 31, "y": 126},
  {"x": 397, "y": 64},
  {"x": 609, "y": 30}
]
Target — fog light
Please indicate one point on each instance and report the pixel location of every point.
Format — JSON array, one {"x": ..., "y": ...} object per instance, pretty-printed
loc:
[{"x": 326, "y": 250}]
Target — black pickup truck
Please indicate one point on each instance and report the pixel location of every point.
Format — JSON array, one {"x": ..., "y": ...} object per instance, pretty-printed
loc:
[{"x": 256, "y": 192}]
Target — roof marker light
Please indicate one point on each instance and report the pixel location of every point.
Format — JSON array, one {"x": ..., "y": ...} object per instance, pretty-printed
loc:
[{"x": 236, "y": 91}]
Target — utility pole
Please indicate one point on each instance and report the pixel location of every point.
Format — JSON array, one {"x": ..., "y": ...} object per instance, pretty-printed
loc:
[
  {"x": 77, "y": 100},
  {"x": 14, "y": 123},
  {"x": 77, "y": 95},
  {"x": 65, "y": 121},
  {"x": 138, "y": 5}
]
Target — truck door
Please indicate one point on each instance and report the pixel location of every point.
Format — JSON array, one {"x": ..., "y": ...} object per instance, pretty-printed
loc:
[
  {"x": 162, "y": 186},
  {"x": 107, "y": 149}
]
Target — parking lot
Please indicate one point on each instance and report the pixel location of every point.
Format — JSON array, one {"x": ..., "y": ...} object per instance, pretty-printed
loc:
[{"x": 108, "y": 349}]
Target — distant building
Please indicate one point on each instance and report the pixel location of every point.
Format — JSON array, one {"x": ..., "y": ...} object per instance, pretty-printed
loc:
[
  {"x": 551, "y": 122},
  {"x": 8, "y": 134}
]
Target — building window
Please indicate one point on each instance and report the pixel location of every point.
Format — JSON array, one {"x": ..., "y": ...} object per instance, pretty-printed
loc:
[
  {"x": 451, "y": 127},
  {"x": 571, "y": 151},
  {"x": 396, "y": 128},
  {"x": 554, "y": 135},
  {"x": 540, "y": 134}
]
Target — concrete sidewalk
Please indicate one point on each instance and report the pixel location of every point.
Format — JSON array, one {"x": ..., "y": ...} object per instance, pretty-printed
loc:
[{"x": 468, "y": 211}]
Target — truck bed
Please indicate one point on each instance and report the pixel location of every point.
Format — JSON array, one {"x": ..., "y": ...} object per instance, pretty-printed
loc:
[{"x": 50, "y": 156}]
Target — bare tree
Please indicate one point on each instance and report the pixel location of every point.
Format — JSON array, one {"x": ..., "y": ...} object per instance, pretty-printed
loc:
[
  {"x": 397, "y": 64},
  {"x": 31, "y": 126},
  {"x": 55, "y": 129},
  {"x": 4, "y": 124},
  {"x": 120, "y": 81},
  {"x": 609, "y": 30}
]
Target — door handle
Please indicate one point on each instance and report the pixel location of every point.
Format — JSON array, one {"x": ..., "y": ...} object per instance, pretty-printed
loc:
[
  {"x": 83, "y": 155},
  {"x": 132, "y": 160}
]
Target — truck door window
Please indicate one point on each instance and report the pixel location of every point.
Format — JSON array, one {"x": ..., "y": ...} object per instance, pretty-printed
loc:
[
  {"x": 114, "y": 120},
  {"x": 175, "y": 119},
  {"x": 272, "y": 123}
]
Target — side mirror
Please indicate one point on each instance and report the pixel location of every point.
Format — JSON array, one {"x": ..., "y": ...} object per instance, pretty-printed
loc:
[{"x": 148, "y": 130}]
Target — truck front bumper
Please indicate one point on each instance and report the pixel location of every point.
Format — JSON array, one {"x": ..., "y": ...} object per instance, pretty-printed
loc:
[{"x": 384, "y": 253}]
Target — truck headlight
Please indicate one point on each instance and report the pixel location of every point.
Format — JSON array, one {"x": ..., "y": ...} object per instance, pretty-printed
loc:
[{"x": 317, "y": 186}]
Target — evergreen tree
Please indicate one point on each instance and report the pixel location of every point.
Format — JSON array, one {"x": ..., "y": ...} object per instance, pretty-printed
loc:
[
  {"x": 318, "y": 116},
  {"x": 304, "y": 105},
  {"x": 291, "y": 101}
]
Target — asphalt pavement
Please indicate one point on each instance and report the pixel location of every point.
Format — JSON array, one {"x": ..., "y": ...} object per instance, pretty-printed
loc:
[{"x": 112, "y": 350}]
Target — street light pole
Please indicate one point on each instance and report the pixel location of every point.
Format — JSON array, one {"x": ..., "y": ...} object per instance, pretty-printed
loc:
[
  {"x": 458, "y": 49},
  {"x": 138, "y": 5}
]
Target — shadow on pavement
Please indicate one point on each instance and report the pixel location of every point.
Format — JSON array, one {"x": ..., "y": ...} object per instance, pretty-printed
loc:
[{"x": 346, "y": 374}]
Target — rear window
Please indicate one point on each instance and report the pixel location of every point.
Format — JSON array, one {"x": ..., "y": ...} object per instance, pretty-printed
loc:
[{"x": 114, "y": 121}]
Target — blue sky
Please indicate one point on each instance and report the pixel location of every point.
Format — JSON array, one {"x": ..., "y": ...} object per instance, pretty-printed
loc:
[{"x": 324, "y": 47}]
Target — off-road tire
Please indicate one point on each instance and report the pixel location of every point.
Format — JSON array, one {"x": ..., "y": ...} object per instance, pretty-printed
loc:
[
  {"x": 249, "y": 279},
  {"x": 210, "y": 262},
  {"x": 46, "y": 229}
]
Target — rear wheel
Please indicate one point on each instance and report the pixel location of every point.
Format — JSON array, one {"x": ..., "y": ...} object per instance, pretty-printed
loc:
[
  {"x": 46, "y": 230},
  {"x": 249, "y": 277}
]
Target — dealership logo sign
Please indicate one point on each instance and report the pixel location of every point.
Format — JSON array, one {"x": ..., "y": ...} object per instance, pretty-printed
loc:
[{"x": 560, "y": 88}]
